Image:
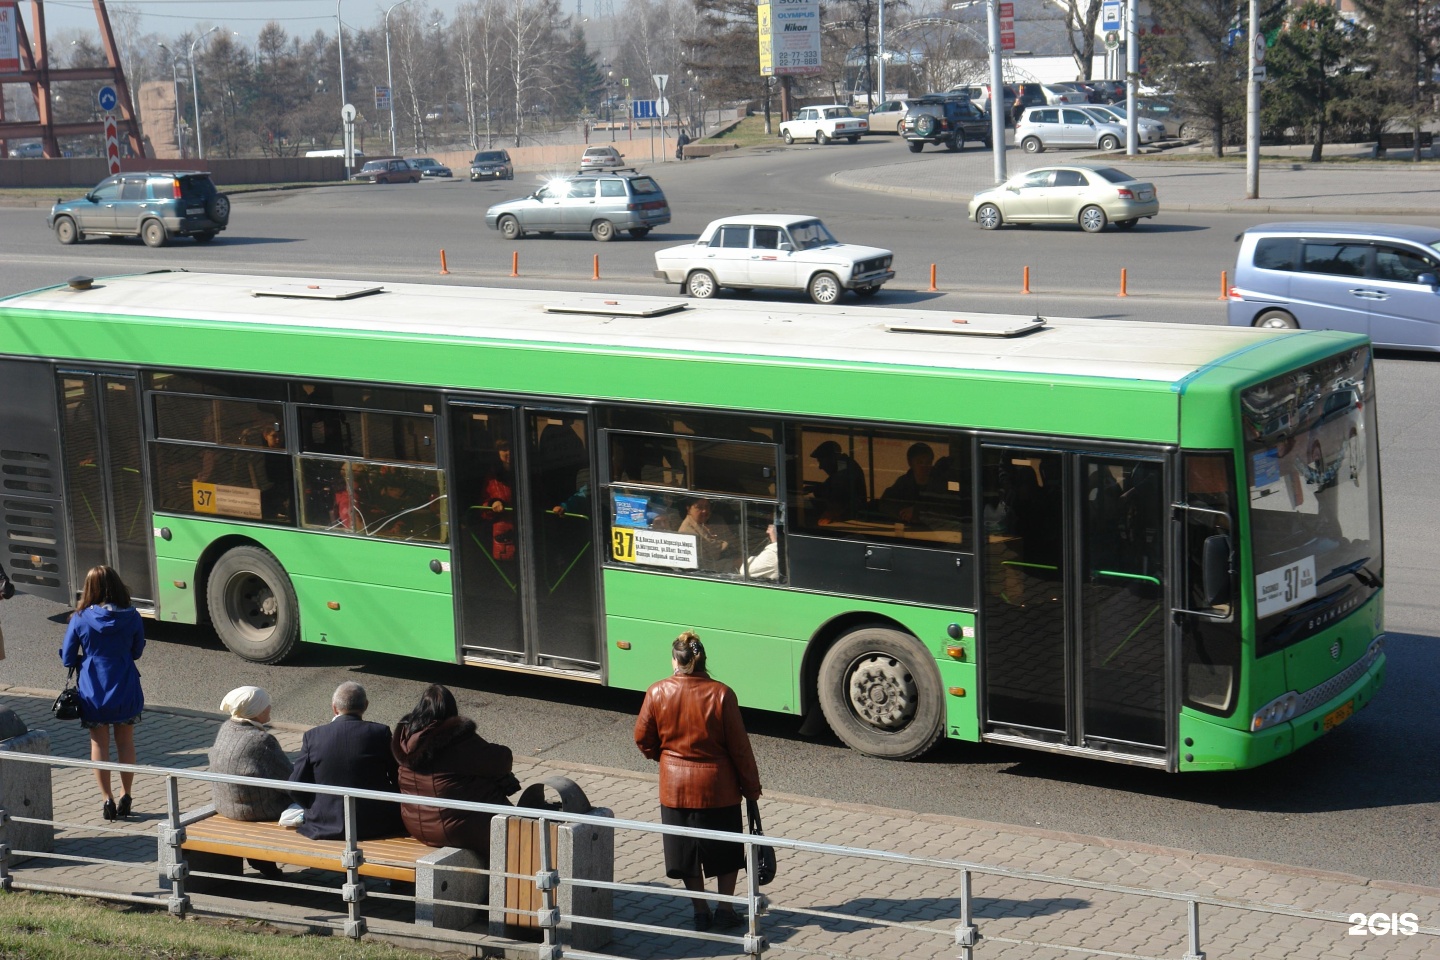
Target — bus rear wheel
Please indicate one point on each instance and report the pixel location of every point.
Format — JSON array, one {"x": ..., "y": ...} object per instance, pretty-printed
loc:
[
  {"x": 881, "y": 694},
  {"x": 253, "y": 606}
]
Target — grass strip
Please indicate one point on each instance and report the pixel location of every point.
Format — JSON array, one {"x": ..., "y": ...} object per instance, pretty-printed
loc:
[{"x": 35, "y": 926}]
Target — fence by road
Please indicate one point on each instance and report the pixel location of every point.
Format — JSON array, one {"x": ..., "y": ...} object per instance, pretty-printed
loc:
[{"x": 892, "y": 903}]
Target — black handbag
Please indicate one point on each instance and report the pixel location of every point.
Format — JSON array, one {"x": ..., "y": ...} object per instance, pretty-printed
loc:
[
  {"x": 764, "y": 856},
  {"x": 67, "y": 704}
]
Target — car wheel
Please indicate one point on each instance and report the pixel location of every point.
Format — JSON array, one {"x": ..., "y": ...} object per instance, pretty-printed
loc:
[
  {"x": 217, "y": 208},
  {"x": 854, "y": 139},
  {"x": 701, "y": 285},
  {"x": 1108, "y": 143},
  {"x": 881, "y": 694},
  {"x": 1093, "y": 219},
  {"x": 510, "y": 176},
  {"x": 1032, "y": 145},
  {"x": 510, "y": 228},
  {"x": 639, "y": 233},
  {"x": 956, "y": 142},
  {"x": 205, "y": 236},
  {"x": 988, "y": 216},
  {"x": 915, "y": 146},
  {"x": 1126, "y": 224},
  {"x": 820, "y": 138},
  {"x": 824, "y": 288},
  {"x": 252, "y": 605},
  {"x": 65, "y": 231},
  {"x": 866, "y": 292},
  {"x": 153, "y": 233},
  {"x": 989, "y": 143},
  {"x": 785, "y": 135},
  {"x": 602, "y": 230},
  {"x": 1277, "y": 320}
]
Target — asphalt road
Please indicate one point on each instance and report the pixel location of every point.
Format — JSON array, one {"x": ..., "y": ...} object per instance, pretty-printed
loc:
[{"x": 1364, "y": 800}]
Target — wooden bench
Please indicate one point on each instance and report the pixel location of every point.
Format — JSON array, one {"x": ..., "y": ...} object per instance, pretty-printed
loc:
[
  {"x": 219, "y": 845},
  {"x": 1405, "y": 140}
]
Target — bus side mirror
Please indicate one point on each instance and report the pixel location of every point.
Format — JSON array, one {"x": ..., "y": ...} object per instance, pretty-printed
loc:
[{"x": 1215, "y": 570}]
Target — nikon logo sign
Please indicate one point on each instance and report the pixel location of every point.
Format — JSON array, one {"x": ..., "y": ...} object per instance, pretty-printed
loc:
[{"x": 789, "y": 34}]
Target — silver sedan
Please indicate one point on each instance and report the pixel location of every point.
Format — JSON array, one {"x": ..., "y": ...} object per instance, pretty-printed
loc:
[{"x": 1089, "y": 196}]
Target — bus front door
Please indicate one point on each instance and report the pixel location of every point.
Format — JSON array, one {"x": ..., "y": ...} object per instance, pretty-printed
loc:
[
  {"x": 1073, "y": 649},
  {"x": 527, "y": 562},
  {"x": 106, "y": 509}
]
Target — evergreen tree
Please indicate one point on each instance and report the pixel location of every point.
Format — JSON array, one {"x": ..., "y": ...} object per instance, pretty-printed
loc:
[{"x": 1195, "y": 59}]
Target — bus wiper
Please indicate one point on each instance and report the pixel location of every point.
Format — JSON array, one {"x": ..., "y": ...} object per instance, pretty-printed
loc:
[{"x": 1359, "y": 570}]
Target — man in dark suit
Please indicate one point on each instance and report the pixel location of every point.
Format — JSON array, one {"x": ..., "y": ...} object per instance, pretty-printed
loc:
[{"x": 349, "y": 751}]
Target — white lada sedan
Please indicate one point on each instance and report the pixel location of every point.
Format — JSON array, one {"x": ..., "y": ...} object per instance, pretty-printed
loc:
[{"x": 774, "y": 251}]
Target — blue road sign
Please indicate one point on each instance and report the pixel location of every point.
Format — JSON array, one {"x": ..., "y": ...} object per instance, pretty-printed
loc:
[
  {"x": 643, "y": 110},
  {"x": 107, "y": 98},
  {"x": 1110, "y": 15}
]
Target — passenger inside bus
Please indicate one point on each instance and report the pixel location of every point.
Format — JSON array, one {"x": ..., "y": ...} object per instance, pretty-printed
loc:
[
  {"x": 841, "y": 495},
  {"x": 919, "y": 495}
]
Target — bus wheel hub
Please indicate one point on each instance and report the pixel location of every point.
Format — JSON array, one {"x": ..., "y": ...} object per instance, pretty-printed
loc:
[{"x": 883, "y": 692}]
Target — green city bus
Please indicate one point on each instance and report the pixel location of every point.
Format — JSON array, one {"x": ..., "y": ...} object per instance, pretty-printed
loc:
[{"x": 1149, "y": 543}]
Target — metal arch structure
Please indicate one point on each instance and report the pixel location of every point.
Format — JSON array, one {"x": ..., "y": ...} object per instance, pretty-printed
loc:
[
  {"x": 1012, "y": 70},
  {"x": 36, "y": 73}
]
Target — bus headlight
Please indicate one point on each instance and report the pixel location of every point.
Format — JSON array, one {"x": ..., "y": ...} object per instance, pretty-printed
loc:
[{"x": 1279, "y": 710}]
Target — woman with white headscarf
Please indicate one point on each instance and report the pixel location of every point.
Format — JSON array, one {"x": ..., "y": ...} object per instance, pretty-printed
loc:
[{"x": 244, "y": 747}]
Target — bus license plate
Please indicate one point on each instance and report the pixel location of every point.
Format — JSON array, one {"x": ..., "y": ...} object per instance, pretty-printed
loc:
[{"x": 1338, "y": 716}]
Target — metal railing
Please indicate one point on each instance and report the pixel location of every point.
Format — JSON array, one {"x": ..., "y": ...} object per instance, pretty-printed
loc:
[{"x": 957, "y": 879}]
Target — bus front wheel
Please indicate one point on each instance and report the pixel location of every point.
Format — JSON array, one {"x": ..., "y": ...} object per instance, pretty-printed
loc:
[
  {"x": 881, "y": 694},
  {"x": 252, "y": 605}
]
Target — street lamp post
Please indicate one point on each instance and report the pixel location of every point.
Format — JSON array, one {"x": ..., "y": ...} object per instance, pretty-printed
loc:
[
  {"x": 340, "y": 45},
  {"x": 195, "y": 93},
  {"x": 389, "y": 77}
]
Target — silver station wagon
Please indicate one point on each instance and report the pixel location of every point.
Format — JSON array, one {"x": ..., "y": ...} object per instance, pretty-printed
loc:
[{"x": 599, "y": 204}]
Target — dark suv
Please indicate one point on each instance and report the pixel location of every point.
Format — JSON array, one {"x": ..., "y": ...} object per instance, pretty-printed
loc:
[
  {"x": 952, "y": 121},
  {"x": 153, "y": 206}
]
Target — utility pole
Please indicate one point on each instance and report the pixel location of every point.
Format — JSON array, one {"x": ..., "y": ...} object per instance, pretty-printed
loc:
[{"x": 1255, "y": 64}]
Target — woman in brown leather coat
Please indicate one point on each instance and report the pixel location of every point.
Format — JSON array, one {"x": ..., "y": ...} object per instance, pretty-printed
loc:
[
  {"x": 691, "y": 724},
  {"x": 441, "y": 755}
]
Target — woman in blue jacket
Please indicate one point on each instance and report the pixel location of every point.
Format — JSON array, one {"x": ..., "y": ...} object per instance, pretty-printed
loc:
[{"x": 104, "y": 640}]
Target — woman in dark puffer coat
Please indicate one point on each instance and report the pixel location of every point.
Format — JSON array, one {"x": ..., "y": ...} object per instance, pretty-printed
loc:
[{"x": 441, "y": 755}]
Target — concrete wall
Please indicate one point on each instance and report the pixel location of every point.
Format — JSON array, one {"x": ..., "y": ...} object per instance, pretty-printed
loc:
[{"x": 81, "y": 172}]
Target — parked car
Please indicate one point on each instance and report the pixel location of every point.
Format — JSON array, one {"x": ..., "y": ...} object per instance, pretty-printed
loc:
[
  {"x": 951, "y": 121},
  {"x": 886, "y": 117},
  {"x": 774, "y": 251},
  {"x": 1381, "y": 279},
  {"x": 492, "y": 163},
  {"x": 1028, "y": 95},
  {"x": 1089, "y": 196},
  {"x": 28, "y": 151},
  {"x": 1079, "y": 86},
  {"x": 598, "y": 204},
  {"x": 1054, "y": 93},
  {"x": 1042, "y": 128},
  {"x": 393, "y": 170},
  {"x": 824, "y": 123},
  {"x": 429, "y": 166},
  {"x": 601, "y": 158},
  {"x": 1164, "y": 110},
  {"x": 1147, "y": 130},
  {"x": 1107, "y": 91},
  {"x": 979, "y": 94},
  {"x": 154, "y": 206}
]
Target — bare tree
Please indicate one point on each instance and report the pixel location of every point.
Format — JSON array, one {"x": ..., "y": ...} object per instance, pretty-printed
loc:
[
  {"x": 1080, "y": 19},
  {"x": 529, "y": 27}
]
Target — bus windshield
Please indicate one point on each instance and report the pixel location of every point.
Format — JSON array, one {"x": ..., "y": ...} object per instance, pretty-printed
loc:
[{"x": 1311, "y": 458}]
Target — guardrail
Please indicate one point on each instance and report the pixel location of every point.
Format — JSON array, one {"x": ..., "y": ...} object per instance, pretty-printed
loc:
[{"x": 952, "y": 878}]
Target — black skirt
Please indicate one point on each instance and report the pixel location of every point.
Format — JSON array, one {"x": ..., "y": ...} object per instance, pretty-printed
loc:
[{"x": 693, "y": 857}]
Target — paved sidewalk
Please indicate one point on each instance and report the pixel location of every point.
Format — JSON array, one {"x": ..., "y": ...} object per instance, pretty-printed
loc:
[
  {"x": 1017, "y": 918},
  {"x": 1371, "y": 189}
]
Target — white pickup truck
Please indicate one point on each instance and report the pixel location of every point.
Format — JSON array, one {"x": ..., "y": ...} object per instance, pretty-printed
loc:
[{"x": 822, "y": 124}]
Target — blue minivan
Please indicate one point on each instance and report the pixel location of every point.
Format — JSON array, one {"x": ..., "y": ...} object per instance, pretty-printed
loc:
[{"x": 1378, "y": 279}]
